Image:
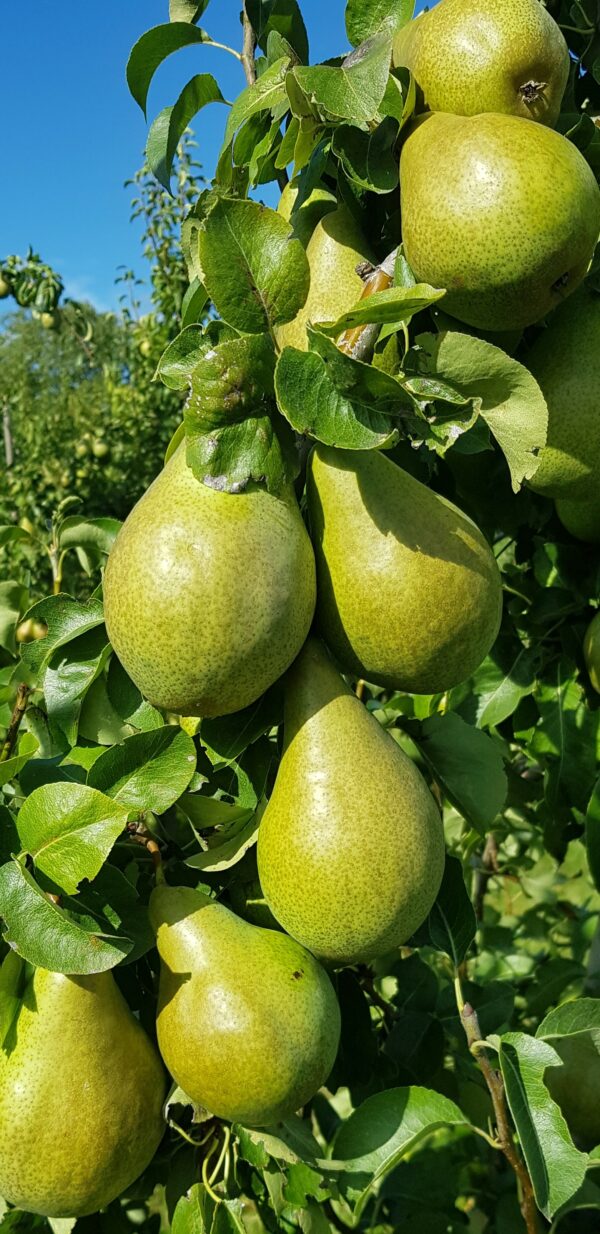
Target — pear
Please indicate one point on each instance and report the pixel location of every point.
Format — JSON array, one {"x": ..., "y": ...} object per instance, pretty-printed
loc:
[
  {"x": 581, "y": 517},
  {"x": 304, "y": 218},
  {"x": 565, "y": 361},
  {"x": 409, "y": 593},
  {"x": 575, "y": 1086},
  {"x": 591, "y": 651},
  {"x": 335, "y": 249},
  {"x": 248, "y": 1022},
  {"x": 503, "y": 213},
  {"x": 81, "y": 1093},
  {"x": 471, "y": 56},
  {"x": 208, "y": 596},
  {"x": 350, "y": 847}
]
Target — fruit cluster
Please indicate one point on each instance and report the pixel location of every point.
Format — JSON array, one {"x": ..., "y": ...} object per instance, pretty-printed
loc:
[{"x": 210, "y": 598}]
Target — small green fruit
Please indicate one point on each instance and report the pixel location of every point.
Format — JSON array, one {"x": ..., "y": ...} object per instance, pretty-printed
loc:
[
  {"x": 565, "y": 361},
  {"x": 74, "y": 1045},
  {"x": 473, "y": 56},
  {"x": 351, "y": 846},
  {"x": 581, "y": 518},
  {"x": 100, "y": 449},
  {"x": 502, "y": 213},
  {"x": 5, "y": 288},
  {"x": 228, "y": 582},
  {"x": 49, "y": 321},
  {"x": 81, "y": 449},
  {"x": 248, "y": 1022},
  {"x": 409, "y": 593},
  {"x": 145, "y": 347},
  {"x": 24, "y": 631},
  {"x": 591, "y": 651}
]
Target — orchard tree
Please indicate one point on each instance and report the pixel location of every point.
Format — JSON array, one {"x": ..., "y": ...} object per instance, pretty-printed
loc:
[{"x": 348, "y": 887}]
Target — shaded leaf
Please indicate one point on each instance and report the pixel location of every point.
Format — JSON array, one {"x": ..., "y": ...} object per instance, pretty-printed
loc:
[
  {"x": 451, "y": 924},
  {"x": 468, "y": 765}
]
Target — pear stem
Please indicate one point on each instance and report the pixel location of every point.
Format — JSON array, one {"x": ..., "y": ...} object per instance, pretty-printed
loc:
[
  {"x": 506, "y": 1142},
  {"x": 139, "y": 834},
  {"x": 12, "y": 731},
  {"x": 359, "y": 342}
]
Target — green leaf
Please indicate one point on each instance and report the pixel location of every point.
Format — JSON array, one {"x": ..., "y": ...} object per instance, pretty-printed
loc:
[
  {"x": 265, "y": 94},
  {"x": 154, "y": 47},
  {"x": 282, "y": 16},
  {"x": 355, "y": 90},
  {"x": 579, "y": 1015},
  {"x": 48, "y": 936},
  {"x": 181, "y": 356},
  {"x": 69, "y": 674},
  {"x": 206, "y": 812},
  {"x": 227, "y": 846},
  {"x": 365, "y": 18},
  {"x": 395, "y": 304},
  {"x": 10, "y": 768},
  {"x": 565, "y": 738},
  {"x": 261, "y": 449},
  {"x": 451, "y": 924},
  {"x": 168, "y": 128},
  {"x": 66, "y": 619},
  {"x": 186, "y": 10},
  {"x": 69, "y": 830},
  {"x": 94, "y": 535},
  {"x": 194, "y": 1212},
  {"x": 13, "y": 601},
  {"x": 369, "y": 159},
  {"x": 255, "y": 272},
  {"x": 340, "y": 401},
  {"x": 387, "y": 1126},
  {"x": 556, "y": 1168},
  {"x": 502, "y": 680},
  {"x": 12, "y": 973},
  {"x": 10, "y": 533},
  {"x": 228, "y": 736},
  {"x": 232, "y": 381},
  {"x": 193, "y": 304},
  {"x": 468, "y": 765},
  {"x": 127, "y": 700},
  {"x": 504, "y": 392},
  {"x": 148, "y": 771}
]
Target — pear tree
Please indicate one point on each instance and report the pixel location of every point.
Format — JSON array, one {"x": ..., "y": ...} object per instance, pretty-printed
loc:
[{"x": 300, "y": 807}]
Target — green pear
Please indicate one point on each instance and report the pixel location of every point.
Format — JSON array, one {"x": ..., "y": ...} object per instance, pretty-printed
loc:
[
  {"x": 591, "y": 651},
  {"x": 351, "y": 846},
  {"x": 81, "y": 1094},
  {"x": 565, "y": 361},
  {"x": 335, "y": 249},
  {"x": 575, "y": 1086},
  {"x": 208, "y": 596},
  {"x": 471, "y": 56},
  {"x": 581, "y": 517},
  {"x": 503, "y": 213},
  {"x": 248, "y": 1021},
  {"x": 409, "y": 593},
  {"x": 304, "y": 218}
]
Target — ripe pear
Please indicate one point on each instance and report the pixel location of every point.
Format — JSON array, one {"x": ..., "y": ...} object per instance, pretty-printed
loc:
[
  {"x": 81, "y": 1094},
  {"x": 248, "y": 1021},
  {"x": 350, "y": 847},
  {"x": 581, "y": 517},
  {"x": 304, "y": 218},
  {"x": 335, "y": 249},
  {"x": 565, "y": 361},
  {"x": 409, "y": 593},
  {"x": 575, "y": 1086},
  {"x": 591, "y": 651},
  {"x": 208, "y": 595},
  {"x": 471, "y": 56},
  {"x": 502, "y": 213}
]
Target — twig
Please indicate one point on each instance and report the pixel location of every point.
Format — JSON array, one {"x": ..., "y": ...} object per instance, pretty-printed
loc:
[
  {"x": 368, "y": 984},
  {"x": 140, "y": 835},
  {"x": 249, "y": 48},
  {"x": 12, "y": 731},
  {"x": 487, "y": 869},
  {"x": 360, "y": 341},
  {"x": 506, "y": 1141}
]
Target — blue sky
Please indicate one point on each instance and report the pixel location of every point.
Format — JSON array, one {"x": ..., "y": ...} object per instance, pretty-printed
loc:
[{"x": 72, "y": 134}]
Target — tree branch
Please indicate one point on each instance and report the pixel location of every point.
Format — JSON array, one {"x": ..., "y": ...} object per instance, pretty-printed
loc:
[
  {"x": 248, "y": 48},
  {"x": 12, "y": 731},
  {"x": 506, "y": 1141}
]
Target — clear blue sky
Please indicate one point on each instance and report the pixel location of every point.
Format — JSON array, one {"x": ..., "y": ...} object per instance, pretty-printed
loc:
[{"x": 72, "y": 134}]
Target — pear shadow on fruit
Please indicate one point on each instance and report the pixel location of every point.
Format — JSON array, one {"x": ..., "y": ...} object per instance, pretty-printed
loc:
[{"x": 170, "y": 983}]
